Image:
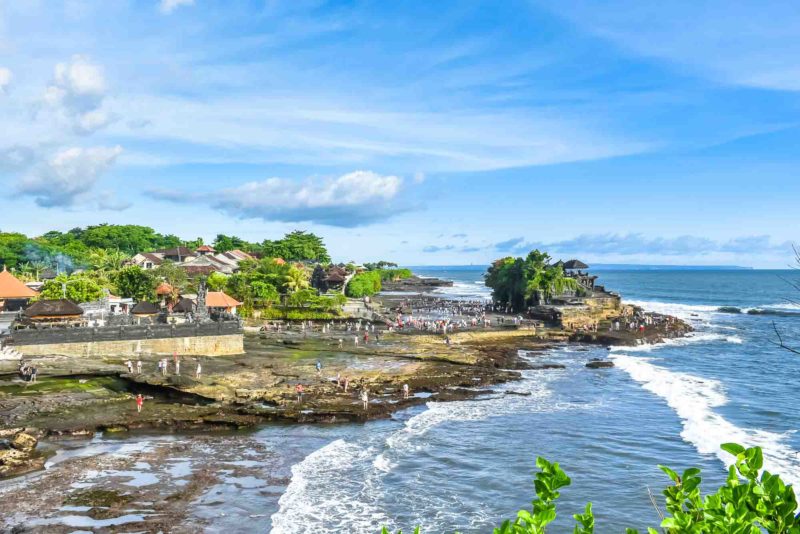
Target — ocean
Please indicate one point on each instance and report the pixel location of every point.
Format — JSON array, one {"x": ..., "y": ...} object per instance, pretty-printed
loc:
[
  {"x": 467, "y": 465},
  {"x": 464, "y": 466}
]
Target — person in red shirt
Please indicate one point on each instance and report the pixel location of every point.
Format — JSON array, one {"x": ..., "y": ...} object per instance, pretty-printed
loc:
[{"x": 139, "y": 402}]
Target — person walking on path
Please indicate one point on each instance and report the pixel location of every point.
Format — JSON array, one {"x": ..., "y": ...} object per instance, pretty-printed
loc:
[
  {"x": 139, "y": 402},
  {"x": 365, "y": 398}
]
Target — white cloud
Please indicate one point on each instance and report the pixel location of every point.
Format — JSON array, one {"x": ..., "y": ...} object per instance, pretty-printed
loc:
[
  {"x": 67, "y": 176},
  {"x": 77, "y": 93},
  {"x": 5, "y": 79},
  {"x": 168, "y": 6},
  {"x": 354, "y": 199}
]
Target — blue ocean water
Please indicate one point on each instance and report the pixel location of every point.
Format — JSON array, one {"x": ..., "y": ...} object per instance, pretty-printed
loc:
[{"x": 464, "y": 466}]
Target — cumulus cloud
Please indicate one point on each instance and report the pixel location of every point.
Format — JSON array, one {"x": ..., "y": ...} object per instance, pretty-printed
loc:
[
  {"x": 77, "y": 93},
  {"x": 16, "y": 157},
  {"x": 168, "y": 6},
  {"x": 354, "y": 199},
  {"x": 5, "y": 79},
  {"x": 68, "y": 176},
  {"x": 638, "y": 244}
]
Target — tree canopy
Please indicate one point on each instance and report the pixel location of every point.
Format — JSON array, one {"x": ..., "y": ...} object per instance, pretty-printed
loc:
[{"x": 518, "y": 282}]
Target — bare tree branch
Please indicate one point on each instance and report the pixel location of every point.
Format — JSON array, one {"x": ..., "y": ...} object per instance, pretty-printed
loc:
[{"x": 780, "y": 342}]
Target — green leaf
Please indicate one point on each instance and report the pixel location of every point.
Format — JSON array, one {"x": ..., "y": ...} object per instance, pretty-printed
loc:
[
  {"x": 671, "y": 474},
  {"x": 732, "y": 448}
]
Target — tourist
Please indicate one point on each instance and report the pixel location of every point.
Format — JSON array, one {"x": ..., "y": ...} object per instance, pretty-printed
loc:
[
  {"x": 160, "y": 365},
  {"x": 405, "y": 391},
  {"x": 198, "y": 370},
  {"x": 33, "y": 374},
  {"x": 319, "y": 367},
  {"x": 346, "y": 383},
  {"x": 366, "y": 337},
  {"x": 129, "y": 365},
  {"x": 177, "y": 367},
  {"x": 299, "y": 390},
  {"x": 139, "y": 402},
  {"x": 138, "y": 367},
  {"x": 341, "y": 343},
  {"x": 355, "y": 340},
  {"x": 365, "y": 398}
]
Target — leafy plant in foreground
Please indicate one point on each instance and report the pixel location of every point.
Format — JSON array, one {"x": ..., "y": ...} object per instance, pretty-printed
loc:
[{"x": 751, "y": 501}]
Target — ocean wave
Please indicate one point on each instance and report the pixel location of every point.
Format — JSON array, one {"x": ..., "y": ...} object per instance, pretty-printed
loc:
[
  {"x": 691, "y": 338},
  {"x": 330, "y": 492},
  {"x": 693, "y": 399},
  {"x": 691, "y": 312}
]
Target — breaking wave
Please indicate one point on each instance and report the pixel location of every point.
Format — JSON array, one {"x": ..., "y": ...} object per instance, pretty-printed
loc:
[{"x": 693, "y": 399}]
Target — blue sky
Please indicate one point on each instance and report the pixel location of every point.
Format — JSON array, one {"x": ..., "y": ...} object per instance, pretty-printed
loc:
[{"x": 424, "y": 132}]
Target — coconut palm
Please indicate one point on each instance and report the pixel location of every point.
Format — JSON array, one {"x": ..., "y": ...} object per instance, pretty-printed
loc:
[{"x": 295, "y": 280}]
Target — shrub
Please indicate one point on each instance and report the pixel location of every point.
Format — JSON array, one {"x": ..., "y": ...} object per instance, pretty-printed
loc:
[{"x": 751, "y": 501}]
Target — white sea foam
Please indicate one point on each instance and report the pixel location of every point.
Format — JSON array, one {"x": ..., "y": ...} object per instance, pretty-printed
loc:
[
  {"x": 694, "y": 337},
  {"x": 330, "y": 492},
  {"x": 692, "y": 312},
  {"x": 694, "y": 398}
]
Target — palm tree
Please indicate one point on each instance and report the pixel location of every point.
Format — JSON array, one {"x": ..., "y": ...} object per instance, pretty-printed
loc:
[{"x": 295, "y": 280}]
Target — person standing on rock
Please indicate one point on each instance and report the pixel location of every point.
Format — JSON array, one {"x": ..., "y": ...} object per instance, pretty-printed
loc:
[
  {"x": 341, "y": 342},
  {"x": 346, "y": 383},
  {"x": 365, "y": 398},
  {"x": 405, "y": 391},
  {"x": 318, "y": 365},
  {"x": 198, "y": 370},
  {"x": 138, "y": 367},
  {"x": 177, "y": 366},
  {"x": 33, "y": 374},
  {"x": 129, "y": 365},
  {"x": 139, "y": 402},
  {"x": 299, "y": 389}
]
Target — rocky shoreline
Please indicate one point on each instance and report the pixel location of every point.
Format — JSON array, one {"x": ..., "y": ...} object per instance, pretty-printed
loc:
[
  {"x": 78, "y": 397},
  {"x": 236, "y": 397}
]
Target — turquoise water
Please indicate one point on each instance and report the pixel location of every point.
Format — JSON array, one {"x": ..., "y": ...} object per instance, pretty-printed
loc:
[{"x": 466, "y": 465}]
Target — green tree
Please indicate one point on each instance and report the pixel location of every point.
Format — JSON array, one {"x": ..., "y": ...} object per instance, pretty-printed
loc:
[
  {"x": 224, "y": 243},
  {"x": 134, "y": 282},
  {"x": 173, "y": 275},
  {"x": 107, "y": 260},
  {"x": 296, "y": 280},
  {"x": 75, "y": 288},
  {"x": 297, "y": 246},
  {"x": 217, "y": 281}
]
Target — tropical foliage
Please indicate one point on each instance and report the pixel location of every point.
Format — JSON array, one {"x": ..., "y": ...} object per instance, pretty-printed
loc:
[
  {"x": 370, "y": 282},
  {"x": 295, "y": 246},
  {"x": 76, "y": 288},
  {"x": 519, "y": 283},
  {"x": 752, "y": 501}
]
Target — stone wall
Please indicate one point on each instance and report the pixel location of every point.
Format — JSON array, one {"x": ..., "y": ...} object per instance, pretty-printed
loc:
[
  {"x": 218, "y": 345},
  {"x": 211, "y": 338},
  {"x": 57, "y": 335}
]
